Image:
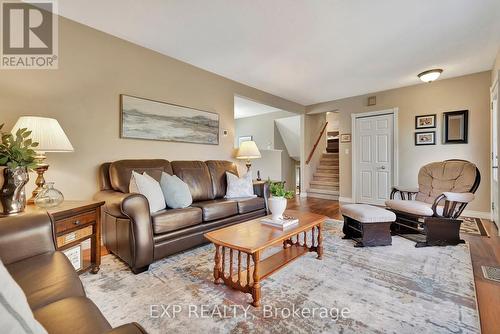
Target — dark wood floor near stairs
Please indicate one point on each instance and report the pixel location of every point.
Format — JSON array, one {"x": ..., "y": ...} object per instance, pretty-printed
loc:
[{"x": 484, "y": 251}]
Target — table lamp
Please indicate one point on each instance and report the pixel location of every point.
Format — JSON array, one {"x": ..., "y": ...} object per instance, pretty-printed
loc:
[
  {"x": 248, "y": 150},
  {"x": 50, "y": 137}
]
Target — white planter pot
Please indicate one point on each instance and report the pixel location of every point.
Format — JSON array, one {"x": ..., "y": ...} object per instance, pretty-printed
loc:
[{"x": 277, "y": 205}]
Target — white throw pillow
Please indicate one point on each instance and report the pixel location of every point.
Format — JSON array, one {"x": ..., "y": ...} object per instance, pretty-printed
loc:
[
  {"x": 175, "y": 191},
  {"x": 239, "y": 187},
  {"x": 150, "y": 188},
  {"x": 15, "y": 313}
]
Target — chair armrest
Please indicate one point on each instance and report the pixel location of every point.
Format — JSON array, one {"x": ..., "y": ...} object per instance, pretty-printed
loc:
[
  {"x": 454, "y": 204},
  {"x": 406, "y": 189},
  {"x": 404, "y": 192},
  {"x": 25, "y": 235},
  {"x": 135, "y": 207},
  {"x": 459, "y": 197},
  {"x": 131, "y": 328}
]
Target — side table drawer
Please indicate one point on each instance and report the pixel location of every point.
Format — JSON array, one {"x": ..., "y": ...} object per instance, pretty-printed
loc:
[{"x": 75, "y": 222}]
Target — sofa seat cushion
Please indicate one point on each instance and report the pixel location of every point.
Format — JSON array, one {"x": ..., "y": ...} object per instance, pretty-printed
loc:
[
  {"x": 250, "y": 204},
  {"x": 46, "y": 278},
  {"x": 365, "y": 213},
  {"x": 217, "y": 209},
  {"x": 72, "y": 315},
  {"x": 175, "y": 219},
  {"x": 413, "y": 207}
]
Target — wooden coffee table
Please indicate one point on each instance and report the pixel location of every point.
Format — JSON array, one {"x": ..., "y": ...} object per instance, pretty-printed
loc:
[{"x": 245, "y": 242}]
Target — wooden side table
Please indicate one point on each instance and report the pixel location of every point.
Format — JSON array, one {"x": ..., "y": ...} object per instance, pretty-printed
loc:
[{"x": 75, "y": 222}]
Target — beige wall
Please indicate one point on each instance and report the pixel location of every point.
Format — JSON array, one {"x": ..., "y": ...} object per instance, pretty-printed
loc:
[
  {"x": 261, "y": 127},
  {"x": 83, "y": 94},
  {"x": 467, "y": 92},
  {"x": 496, "y": 68}
]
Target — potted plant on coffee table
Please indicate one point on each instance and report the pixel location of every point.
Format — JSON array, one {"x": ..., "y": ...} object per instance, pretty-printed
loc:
[
  {"x": 17, "y": 157},
  {"x": 278, "y": 200}
]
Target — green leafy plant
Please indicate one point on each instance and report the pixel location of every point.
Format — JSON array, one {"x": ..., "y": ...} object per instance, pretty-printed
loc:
[
  {"x": 18, "y": 150},
  {"x": 277, "y": 189}
]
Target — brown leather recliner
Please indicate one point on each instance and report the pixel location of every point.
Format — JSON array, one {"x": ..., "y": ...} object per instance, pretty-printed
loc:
[
  {"x": 54, "y": 292},
  {"x": 140, "y": 238}
]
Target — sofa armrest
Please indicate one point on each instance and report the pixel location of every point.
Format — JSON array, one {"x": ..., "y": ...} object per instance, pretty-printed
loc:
[
  {"x": 135, "y": 207},
  {"x": 25, "y": 235},
  {"x": 261, "y": 189},
  {"x": 131, "y": 328}
]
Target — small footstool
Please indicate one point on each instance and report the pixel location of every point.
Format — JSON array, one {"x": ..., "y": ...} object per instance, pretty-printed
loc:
[{"x": 368, "y": 225}]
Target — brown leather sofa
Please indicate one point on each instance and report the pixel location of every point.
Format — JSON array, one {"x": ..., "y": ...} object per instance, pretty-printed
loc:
[
  {"x": 54, "y": 292},
  {"x": 140, "y": 238}
]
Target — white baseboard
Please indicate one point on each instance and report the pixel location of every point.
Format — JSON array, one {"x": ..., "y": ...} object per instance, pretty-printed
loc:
[
  {"x": 477, "y": 214},
  {"x": 303, "y": 194},
  {"x": 346, "y": 199}
]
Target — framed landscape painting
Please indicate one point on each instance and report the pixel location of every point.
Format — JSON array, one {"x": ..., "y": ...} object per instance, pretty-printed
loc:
[{"x": 154, "y": 120}]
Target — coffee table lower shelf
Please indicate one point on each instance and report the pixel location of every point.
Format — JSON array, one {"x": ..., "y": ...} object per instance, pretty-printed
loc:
[{"x": 243, "y": 271}]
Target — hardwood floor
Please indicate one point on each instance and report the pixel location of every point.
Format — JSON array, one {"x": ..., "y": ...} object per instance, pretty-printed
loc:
[{"x": 484, "y": 251}]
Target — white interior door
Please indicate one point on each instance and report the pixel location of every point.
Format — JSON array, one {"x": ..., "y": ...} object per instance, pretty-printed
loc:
[
  {"x": 374, "y": 158},
  {"x": 494, "y": 156}
]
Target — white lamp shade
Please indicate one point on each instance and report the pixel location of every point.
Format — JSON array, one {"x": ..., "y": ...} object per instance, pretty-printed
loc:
[
  {"x": 46, "y": 132},
  {"x": 248, "y": 150}
]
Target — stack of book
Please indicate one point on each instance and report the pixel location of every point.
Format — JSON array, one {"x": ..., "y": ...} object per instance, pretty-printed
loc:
[{"x": 283, "y": 223}]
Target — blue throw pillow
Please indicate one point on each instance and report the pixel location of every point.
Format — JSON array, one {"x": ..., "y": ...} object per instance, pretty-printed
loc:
[{"x": 175, "y": 191}]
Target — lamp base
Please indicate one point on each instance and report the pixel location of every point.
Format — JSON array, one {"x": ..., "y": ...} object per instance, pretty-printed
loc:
[
  {"x": 248, "y": 163},
  {"x": 40, "y": 168}
]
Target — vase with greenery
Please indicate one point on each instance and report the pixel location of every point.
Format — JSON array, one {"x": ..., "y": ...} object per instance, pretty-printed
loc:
[
  {"x": 278, "y": 200},
  {"x": 17, "y": 157}
]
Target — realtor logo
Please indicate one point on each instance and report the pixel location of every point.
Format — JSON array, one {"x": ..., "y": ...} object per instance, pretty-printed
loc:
[{"x": 29, "y": 35}]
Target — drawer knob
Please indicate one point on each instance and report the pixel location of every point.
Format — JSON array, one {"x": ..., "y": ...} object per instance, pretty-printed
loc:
[{"x": 77, "y": 222}]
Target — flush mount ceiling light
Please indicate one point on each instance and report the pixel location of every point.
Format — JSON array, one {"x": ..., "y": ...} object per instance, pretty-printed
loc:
[{"x": 430, "y": 75}]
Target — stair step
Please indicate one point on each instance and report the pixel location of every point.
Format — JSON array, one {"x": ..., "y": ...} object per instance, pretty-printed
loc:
[
  {"x": 327, "y": 173},
  {"x": 328, "y": 162},
  {"x": 325, "y": 183},
  {"x": 330, "y": 155},
  {"x": 322, "y": 191},
  {"x": 326, "y": 178},
  {"x": 327, "y": 169},
  {"x": 323, "y": 196},
  {"x": 323, "y": 187}
]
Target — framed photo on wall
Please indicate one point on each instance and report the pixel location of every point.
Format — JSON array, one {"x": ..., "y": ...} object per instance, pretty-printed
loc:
[
  {"x": 425, "y": 138},
  {"x": 425, "y": 121},
  {"x": 345, "y": 138},
  {"x": 241, "y": 139}
]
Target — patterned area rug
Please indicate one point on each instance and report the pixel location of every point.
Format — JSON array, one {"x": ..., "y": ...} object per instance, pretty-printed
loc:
[
  {"x": 474, "y": 226},
  {"x": 392, "y": 289}
]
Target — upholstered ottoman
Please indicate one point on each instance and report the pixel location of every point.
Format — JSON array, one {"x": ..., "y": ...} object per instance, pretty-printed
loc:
[{"x": 368, "y": 225}]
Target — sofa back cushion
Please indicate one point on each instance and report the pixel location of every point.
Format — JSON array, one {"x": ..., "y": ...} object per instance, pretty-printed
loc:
[
  {"x": 437, "y": 177},
  {"x": 197, "y": 177},
  {"x": 120, "y": 171},
  {"x": 218, "y": 169}
]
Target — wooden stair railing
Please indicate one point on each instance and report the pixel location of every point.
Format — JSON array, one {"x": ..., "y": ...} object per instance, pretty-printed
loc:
[{"x": 316, "y": 144}]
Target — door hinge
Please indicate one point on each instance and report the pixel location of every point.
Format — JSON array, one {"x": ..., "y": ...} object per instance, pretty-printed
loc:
[{"x": 492, "y": 205}]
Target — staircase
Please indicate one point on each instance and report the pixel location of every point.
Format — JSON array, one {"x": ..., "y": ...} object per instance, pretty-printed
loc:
[{"x": 325, "y": 182}]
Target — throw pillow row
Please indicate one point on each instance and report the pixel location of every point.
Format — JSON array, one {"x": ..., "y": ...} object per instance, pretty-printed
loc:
[{"x": 170, "y": 191}]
